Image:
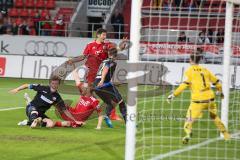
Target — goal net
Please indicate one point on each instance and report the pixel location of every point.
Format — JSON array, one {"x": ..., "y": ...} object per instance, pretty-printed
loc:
[{"x": 170, "y": 31}]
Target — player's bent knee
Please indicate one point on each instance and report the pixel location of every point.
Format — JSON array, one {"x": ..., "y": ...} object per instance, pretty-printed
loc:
[
  {"x": 34, "y": 112},
  {"x": 32, "y": 116}
]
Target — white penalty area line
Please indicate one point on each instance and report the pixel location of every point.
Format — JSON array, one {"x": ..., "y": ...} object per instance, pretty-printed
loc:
[
  {"x": 172, "y": 153},
  {"x": 8, "y": 109}
]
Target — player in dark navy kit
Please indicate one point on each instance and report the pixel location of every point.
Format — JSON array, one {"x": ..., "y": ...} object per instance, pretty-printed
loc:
[
  {"x": 105, "y": 89},
  {"x": 95, "y": 53},
  {"x": 46, "y": 97}
]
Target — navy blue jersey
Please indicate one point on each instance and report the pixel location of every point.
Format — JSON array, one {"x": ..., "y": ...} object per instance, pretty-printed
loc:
[
  {"x": 111, "y": 69},
  {"x": 44, "y": 98}
]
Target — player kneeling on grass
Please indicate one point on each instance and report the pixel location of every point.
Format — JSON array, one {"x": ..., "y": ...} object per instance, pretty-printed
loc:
[
  {"x": 105, "y": 89},
  {"x": 85, "y": 107},
  {"x": 199, "y": 80},
  {"x": 46, "y": 97}
]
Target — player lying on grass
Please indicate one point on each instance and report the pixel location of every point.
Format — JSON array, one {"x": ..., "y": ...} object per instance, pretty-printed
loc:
[
  {"x": 46, "y": 97},
  {"x": 94, "y": 53},
  {"x": 199, "y": 80},
  {"x": 50, "y": 123},
  {"x": 105, "y": 89},
  {"x": 85, "y": 106}
]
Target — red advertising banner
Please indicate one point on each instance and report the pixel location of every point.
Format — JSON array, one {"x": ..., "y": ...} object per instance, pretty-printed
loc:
[
  {"x": 183, "y": 48},
  {"x": 2, "y": 65}
]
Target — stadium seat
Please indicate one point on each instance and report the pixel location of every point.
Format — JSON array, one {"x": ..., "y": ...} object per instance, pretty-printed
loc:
[
  {"x": 67, "y": 18},
  {"x": 65, "y": 11},
  {"x": 18, "y": 21},
  {"x": 30, "y": 22},
  {"x": 40, "y": 4},
  {"x": 45, "y": 12},
  {"x": 32, "y": 31},
  {"x": 19, "y": 3},
  {"x": 29, "y": 3},
  {"x": 50, "y": 4},
  {"x": 23, "y": 12},
  {"x": 32, "y": 12},
  {"x": 13, "y": 12}
]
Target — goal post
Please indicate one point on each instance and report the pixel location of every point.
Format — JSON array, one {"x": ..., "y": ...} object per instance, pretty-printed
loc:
[
  {"x": 132, "y": 83},
  {"x": 163, "y": 36},
  {"x": 226, "y": 61}
]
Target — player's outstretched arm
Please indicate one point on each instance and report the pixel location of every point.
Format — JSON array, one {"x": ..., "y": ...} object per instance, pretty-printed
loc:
[
  {"x": 76, "y": 59},
  {"x": 16, "y": 90},
  {"x": 76, "y": 77},
  {"x": 122, "y": 44},
  {"x": 170, "y": 98},
  {"x": 218, "y": 86},
  {"x": 215, "y": 81},
  {"x": 104, "y": 73},
  {"x": 62, "y": 108},
  {"x": 66, "y": 112},
  {"x": 178, "y": 91},
  {"x": 181, "y": 88}
]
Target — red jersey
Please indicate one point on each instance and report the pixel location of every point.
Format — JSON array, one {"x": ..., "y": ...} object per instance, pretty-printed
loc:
[
  {"x": 84, "y": 108},
  {"x": 96, "y": 54}
]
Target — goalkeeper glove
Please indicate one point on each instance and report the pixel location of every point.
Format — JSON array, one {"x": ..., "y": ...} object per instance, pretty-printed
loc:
[
  {"x": 170, "y": 98},
  {"x": 218, "y": 93}
]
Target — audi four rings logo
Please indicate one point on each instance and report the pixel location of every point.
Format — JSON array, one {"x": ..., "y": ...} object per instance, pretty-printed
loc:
[{"x": 46, "y": 48}]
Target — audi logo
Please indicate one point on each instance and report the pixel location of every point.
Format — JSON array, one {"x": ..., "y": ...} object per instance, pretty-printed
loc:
[{"x": 46, "y": 48}]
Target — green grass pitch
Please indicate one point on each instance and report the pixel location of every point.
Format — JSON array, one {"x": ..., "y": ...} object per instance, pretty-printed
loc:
[
  {"x": 159, "y": 130},
  {"x": 21, "y": 142}
]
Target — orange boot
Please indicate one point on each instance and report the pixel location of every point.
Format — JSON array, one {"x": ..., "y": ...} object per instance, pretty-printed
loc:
[{"x": 114, "y": 115}]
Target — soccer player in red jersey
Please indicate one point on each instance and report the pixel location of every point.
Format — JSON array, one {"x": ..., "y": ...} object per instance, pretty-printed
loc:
[
  {"x": 85, "y": 107},
  {"x": 95, "y": 53}
]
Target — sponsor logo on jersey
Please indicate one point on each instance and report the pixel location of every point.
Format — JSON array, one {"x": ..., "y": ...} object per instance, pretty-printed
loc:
[
  {"x": 99, "y": 52},
  {"x": 93, "y": 99},
  {"x": 46, "y": 99},
  {"x": 85, "y": 103}
]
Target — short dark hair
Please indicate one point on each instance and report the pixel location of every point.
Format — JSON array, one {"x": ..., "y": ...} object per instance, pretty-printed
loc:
[
  {"x": 197, "y": 55},
  {"x": 100, "y": 31},
  {"x": 113, "y": 52},
  {"x": 55, "y": 78}
]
